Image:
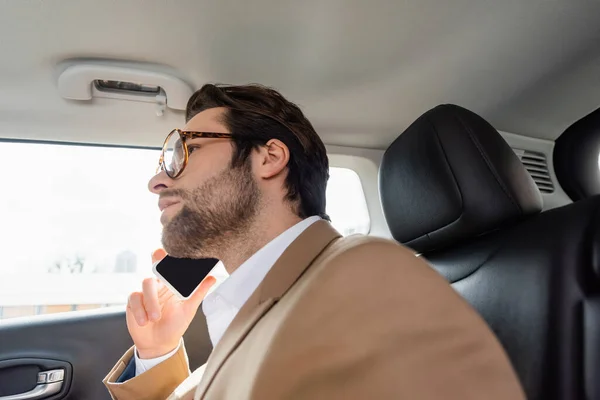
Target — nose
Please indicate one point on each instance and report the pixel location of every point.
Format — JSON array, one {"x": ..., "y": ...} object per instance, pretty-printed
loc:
[{"x": 159, "y": 182}]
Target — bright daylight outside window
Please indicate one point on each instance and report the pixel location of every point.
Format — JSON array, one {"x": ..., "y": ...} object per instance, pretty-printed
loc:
[{"x": 79, "y": 225}]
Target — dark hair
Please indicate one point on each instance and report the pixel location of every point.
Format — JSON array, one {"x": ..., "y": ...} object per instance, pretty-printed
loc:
[{"x": 262, "y": 112}]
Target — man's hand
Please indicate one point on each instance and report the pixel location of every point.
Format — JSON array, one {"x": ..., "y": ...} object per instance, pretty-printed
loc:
[{"x": 157, "y": 319}]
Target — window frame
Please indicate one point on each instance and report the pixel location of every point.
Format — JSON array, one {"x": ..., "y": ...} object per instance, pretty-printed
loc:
[{"x": 359, "y": 165}]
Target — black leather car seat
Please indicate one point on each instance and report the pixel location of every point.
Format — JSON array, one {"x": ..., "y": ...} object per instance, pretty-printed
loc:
[{"x": 453, "y": 190}]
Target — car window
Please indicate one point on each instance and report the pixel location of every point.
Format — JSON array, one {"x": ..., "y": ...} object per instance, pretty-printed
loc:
[{"x": 79, "y": 225}]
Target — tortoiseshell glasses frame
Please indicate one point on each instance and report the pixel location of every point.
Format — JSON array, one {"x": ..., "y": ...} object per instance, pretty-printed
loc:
[{"x": 174, "y": 164}]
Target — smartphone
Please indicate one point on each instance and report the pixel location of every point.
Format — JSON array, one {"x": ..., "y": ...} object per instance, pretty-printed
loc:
[{"x": 183, "y": 275}]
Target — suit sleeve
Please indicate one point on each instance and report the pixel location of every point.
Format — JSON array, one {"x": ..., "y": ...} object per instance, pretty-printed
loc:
[
  {"x": 377, "y": 322},
  {"x": 156, "y": 383},
  {"x": 129, "y": 372}
]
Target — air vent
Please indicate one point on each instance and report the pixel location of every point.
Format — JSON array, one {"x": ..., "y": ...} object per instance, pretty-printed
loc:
[{"x": 537, "y": 166}]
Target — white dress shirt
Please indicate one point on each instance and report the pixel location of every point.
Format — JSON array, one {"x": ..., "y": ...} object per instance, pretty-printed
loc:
[{"x": 224, "y": 301}]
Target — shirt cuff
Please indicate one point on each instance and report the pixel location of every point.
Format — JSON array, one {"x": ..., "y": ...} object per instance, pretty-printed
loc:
[{"x": 143, "y": 365}]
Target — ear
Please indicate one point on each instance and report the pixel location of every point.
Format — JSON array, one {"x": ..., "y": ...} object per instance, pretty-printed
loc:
[{"x": 273, "y": 159}]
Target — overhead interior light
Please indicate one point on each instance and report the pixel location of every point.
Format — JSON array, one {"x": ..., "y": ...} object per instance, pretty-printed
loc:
[{"x": 120, "y": 86}]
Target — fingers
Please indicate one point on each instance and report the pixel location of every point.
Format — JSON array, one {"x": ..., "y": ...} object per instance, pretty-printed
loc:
[
  {"x": 150, "y": 299},
  {"x": 136, "y": 305},
  {"x": 158, "y": 255},
  {"x": 200, "y": 293},
  {"x": 145, "y": 305},
  {"x": 163, "y": 292}
]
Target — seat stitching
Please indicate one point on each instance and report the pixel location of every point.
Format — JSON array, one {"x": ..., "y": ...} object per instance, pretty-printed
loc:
[{"x": 488, "y": 163}]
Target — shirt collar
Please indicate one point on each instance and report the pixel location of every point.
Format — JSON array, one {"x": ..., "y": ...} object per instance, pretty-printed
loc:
[{"x": 238, "y": 287}]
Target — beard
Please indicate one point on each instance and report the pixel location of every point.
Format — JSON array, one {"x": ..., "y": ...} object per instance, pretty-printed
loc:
[{"x": 213, "y": 215}]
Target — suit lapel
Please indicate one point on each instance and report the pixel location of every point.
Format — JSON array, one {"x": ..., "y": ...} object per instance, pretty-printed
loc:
[{"x": 288, "y": 268}]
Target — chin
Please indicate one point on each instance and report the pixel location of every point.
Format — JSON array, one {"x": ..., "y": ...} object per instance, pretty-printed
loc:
[
  {"x": 176, "y": 251},
  {"x": 179, "y": 249},
  {"x": 169, "y": 214},
  {"x": 175, "y": 246},
  {"x": 164, "y": 220}
]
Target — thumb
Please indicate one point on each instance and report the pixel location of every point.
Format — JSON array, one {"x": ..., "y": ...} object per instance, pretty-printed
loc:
[{"x": 193, "y": 302}]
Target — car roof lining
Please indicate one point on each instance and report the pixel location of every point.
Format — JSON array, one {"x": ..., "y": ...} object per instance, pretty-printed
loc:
[{"x": 362, "y": 72}]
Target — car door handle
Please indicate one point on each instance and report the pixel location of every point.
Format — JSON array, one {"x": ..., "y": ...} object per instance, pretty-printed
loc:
[{"x": 48, "y": 383}]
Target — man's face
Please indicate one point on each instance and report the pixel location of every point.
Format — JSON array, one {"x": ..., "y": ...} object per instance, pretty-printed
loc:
[{"x": 210, "y": 202}]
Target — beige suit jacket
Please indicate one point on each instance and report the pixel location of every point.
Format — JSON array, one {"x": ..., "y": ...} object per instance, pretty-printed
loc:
[{"x": 341, "y": 318}]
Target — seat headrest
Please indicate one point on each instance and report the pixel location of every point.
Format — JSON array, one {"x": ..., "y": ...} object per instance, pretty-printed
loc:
[{"x": 451, "y": 176}]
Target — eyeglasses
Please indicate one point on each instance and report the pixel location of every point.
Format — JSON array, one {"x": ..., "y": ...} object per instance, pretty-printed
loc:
[{"x": 175, "y": 154}]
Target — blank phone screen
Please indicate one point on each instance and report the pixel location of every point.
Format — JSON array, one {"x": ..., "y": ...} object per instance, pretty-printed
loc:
[{"x": 185, "y": 274}]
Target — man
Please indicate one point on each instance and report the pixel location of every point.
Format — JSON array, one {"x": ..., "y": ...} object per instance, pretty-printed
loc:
[{"x": 305, "y": 313}]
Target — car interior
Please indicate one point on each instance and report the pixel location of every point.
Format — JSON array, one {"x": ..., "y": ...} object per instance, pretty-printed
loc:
[{"x": 468, "y": 131}]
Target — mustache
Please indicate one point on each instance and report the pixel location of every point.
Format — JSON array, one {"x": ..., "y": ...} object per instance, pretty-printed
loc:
[{"x": 182, "y": 193}]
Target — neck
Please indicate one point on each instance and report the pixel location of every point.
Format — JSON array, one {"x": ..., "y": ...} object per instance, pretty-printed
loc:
[{"x": 266, "y": 227}]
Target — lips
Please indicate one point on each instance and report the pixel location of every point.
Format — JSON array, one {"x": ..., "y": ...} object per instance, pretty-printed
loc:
[{"x": 164, "y": 203}]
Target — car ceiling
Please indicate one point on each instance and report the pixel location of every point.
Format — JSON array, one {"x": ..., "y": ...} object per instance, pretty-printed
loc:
[{"x": 362, "y": 71}]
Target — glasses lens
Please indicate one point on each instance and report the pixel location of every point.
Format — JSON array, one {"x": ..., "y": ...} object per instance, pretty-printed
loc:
[{"x": 174, "y": 154}]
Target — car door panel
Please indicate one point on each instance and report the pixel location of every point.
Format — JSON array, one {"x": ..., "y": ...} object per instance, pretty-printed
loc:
[{"x": 85, "y": 345}]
